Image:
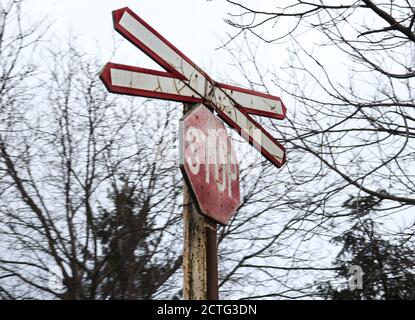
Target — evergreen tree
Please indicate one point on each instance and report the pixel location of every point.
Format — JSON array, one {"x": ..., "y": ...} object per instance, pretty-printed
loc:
[
  {"x": 131, "y": 270},
  {"x": 388, "y": 267}
]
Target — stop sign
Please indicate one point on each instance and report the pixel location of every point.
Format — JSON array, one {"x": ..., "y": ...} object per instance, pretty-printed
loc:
[{"x": 209, "y": 164}]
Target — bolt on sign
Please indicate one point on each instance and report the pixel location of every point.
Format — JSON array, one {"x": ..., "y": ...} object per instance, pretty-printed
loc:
[
  {"x": 209, "y": 164},
  {"x": 184, "y": 81}
]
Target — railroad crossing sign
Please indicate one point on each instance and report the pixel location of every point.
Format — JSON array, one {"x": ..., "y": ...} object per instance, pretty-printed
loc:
[
  {"x": 184, "y": 81},
  {"x": 209, "y": 164}
]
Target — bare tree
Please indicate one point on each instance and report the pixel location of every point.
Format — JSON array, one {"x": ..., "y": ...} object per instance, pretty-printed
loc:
[
  {"x": 69, "y": 218},
  {"x": 350, "y": 128},
  {"x": 91, "y": 198},
  {"x": 91, "y": 202},
  {"x": 68, "y": 213}
]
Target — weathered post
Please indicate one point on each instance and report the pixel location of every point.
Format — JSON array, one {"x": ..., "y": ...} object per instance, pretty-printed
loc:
[{"x": 200, "y": 269}]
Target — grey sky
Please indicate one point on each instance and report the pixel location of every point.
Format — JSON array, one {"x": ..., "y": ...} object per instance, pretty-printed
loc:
[{"x": 194, "y": 27}]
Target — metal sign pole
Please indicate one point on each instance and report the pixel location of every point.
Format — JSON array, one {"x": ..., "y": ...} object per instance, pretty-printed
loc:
[
  {"x": 212, "y": 260},
  {"x": 200, "y": 263}
]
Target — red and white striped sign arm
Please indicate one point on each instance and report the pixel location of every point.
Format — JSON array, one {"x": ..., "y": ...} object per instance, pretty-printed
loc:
[
  {"x": 185, "y": 81},
  {"x": 146, "y": 83},
  {"x": 255, "y": 102},
  {"x": 143, "y": 36},
  {"x": 248, "y": 128}
]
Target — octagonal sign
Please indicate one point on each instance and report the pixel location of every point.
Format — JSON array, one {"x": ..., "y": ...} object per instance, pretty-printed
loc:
[{"x": 209, "y": 164}]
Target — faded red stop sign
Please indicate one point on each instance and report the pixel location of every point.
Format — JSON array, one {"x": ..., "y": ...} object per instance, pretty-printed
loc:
[{"x": 209, "y": 164}]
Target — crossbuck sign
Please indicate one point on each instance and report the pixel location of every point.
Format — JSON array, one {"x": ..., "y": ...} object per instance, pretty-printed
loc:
[{"x": 184, "y": 81}]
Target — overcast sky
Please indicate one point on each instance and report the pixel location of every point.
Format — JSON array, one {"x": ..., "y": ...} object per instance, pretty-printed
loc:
[{"x": 193, "y": 26}]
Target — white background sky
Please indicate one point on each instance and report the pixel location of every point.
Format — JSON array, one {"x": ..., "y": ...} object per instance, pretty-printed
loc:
[{"x": 194, "y": 26}]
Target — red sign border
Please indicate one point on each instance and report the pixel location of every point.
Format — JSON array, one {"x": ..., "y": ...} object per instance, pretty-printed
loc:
[{"x": 105, "y": 77}]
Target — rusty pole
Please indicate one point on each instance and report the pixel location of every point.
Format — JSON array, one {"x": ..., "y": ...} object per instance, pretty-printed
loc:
[
  {"x": 200, "y": 266},
  {"x": 212, "y": 261}
]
